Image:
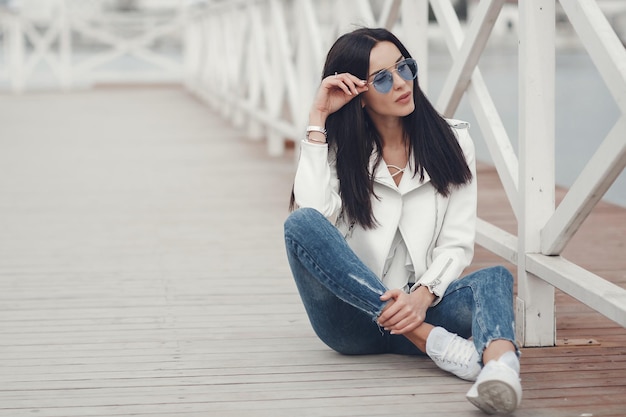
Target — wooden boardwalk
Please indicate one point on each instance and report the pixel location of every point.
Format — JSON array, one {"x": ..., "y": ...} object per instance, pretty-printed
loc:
[{"x": 142, "y": 272}]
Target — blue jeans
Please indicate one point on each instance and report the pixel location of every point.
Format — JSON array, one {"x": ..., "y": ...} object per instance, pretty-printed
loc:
[{"x": 342, "y": 296}]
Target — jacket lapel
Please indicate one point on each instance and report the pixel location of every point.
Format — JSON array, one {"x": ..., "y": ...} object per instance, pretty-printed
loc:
[
  {"x": 382, "y": 174},
  {"x": 411, "y": 182},
  {"x": 408, "y": 183}
]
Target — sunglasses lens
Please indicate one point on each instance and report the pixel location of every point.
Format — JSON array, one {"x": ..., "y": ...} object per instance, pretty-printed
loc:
[
  {"x": 408, "y": 69},
  {"x": 383, "y": 81}
]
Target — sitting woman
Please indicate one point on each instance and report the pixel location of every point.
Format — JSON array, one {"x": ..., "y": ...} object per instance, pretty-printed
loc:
[{"x": 384, "y": 224}]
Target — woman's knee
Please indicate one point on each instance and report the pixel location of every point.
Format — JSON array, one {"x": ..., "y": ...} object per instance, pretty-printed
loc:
[
  {"x": 498, "y": 280},
  {"x": 495, "y": 275},
  {"x": 300, "y": 220},
  {"x": 492, "y": 280},
  {"x": 502, "y": 275}
]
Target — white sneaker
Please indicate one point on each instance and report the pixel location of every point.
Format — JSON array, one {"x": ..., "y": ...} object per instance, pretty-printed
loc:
[
  {"x": 453, "y": 354},
  {"x": 498, "y": 389}
]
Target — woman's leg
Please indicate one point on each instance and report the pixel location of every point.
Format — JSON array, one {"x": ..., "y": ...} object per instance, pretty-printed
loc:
[
  {"x": 340, "y": 294},
  {"x": 479, "y": 305}
]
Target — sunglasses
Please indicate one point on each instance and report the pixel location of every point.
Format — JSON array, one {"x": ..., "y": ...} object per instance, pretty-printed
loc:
[{"x": 383, "y": 79}]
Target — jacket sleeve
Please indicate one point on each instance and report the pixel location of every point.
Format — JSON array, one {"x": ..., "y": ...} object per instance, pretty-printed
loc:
[
  {"x": 316, "y": 184},
  {"x": 454, "y": 246}
]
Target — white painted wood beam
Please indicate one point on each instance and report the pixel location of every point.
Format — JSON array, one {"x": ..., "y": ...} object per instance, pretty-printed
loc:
[
  {"x": 312, "y": 28},
  {"x": 415, "y": 29},
  {"x": 602, "y": 44},
  {"x": 496, "y": 136},
  {"x": 65, "y": 47},
  {"x": 365, "y": 15},
  {"x": 590, "y": 289},
  {"x": 596, "y": 178},
  {"x": 15, "y": 43},
  {"x": 389, "y": 15},
  {"x": 535, "y": 307},
  {"x": 466, "y": 59},
  {"x": 497, "y": 240}
]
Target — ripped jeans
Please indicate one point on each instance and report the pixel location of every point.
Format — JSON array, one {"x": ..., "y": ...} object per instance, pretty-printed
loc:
[{"x": 342, "y": 296}]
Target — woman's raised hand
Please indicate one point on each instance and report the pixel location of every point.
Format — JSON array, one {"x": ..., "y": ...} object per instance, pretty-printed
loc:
[{"x": 335, "y": 91}]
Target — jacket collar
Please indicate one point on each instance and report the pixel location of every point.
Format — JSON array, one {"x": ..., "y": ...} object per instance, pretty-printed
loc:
[{"x": 408, "y": 183}]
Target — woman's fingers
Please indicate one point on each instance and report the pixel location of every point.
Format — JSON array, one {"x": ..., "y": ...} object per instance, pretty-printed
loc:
[
  {"x": 403, "y": 322},
  {"x": 405, "y": 326},
  {"x": 391, "y": 313},
  {"x": 337, "y": 90},
  {"x": 386, "y": 319},
  {"x": 409, "y": 322},
  {"x": 350, "y": 84},
  {"x": 389, "y": 294},
  {"x": 399, "y": 316}
]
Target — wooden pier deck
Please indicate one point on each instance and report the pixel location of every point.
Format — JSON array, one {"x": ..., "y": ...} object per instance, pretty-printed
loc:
[{"x": 142, "y": 273}]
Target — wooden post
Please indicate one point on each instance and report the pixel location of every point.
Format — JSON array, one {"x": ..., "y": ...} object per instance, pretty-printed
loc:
[
  {"x": 65, "y": 46},
  {"x": 15, "y": 44},
  {"x": 415, "y": 28},
  {"x": 535, "y": 304}
]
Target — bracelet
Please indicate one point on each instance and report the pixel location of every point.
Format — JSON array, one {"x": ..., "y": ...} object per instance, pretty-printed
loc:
[
  {"x": 319, "y": 129},
  {"x": 316, "y": 141}
]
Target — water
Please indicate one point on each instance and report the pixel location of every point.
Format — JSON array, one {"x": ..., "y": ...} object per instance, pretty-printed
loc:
[{"x": 585, "y": 110}]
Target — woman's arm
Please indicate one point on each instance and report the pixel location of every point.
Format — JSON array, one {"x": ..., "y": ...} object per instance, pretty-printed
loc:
[{"x": 316, "y": 183}]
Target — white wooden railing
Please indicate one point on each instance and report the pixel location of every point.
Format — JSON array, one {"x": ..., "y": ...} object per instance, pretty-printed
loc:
[
  {"x": 258, "y": 62},
  {"x": 82, "y": 42}
]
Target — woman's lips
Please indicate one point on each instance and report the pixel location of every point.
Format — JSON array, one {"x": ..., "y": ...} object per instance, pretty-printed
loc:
[{"x": 404, "y": 97}]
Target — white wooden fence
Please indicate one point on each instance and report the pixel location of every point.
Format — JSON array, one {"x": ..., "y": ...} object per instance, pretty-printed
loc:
[
  {"x": 82, "y": 42},
  {"x": 258, "y": 63}
]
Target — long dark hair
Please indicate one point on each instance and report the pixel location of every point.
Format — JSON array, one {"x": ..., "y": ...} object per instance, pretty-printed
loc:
[{"x": 354, "y": 137}]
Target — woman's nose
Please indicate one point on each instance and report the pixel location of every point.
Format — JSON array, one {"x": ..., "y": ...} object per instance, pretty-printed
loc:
[{"x": 398, "y": 81}]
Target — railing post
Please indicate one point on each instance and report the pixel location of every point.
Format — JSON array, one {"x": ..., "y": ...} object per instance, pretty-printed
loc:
[
  {"x": 5, "y": 26},
  {"x": 15, "y": 45},
  {"x": 415, "y": 28},
  {"x": 535, "y": 303},
  {"x": 65, "y": 46}
]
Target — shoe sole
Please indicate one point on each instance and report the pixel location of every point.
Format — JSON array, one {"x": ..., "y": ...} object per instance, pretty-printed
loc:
[{"x": 495, "y": 397}]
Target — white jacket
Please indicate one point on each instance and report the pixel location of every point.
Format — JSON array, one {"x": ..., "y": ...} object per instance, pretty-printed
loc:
[{"x": 438, "y": 231}]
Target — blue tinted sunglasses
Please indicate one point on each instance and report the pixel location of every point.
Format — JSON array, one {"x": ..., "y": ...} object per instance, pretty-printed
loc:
[{"x": 383, "y": 79}]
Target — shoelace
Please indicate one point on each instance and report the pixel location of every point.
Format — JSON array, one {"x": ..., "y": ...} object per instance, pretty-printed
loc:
[{"x": 458, "y": 352}]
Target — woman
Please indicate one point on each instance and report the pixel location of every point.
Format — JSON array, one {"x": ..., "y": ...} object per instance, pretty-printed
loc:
[{"x": 385, "y": 194}]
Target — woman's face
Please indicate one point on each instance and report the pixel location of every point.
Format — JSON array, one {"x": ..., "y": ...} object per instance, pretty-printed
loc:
[{"x": 398, "y": 102}]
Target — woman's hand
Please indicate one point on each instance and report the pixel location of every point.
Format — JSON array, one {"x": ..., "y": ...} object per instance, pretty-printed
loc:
[
  {"x": 405, "y": 312},
  {"x": 334, "y": 92}
]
